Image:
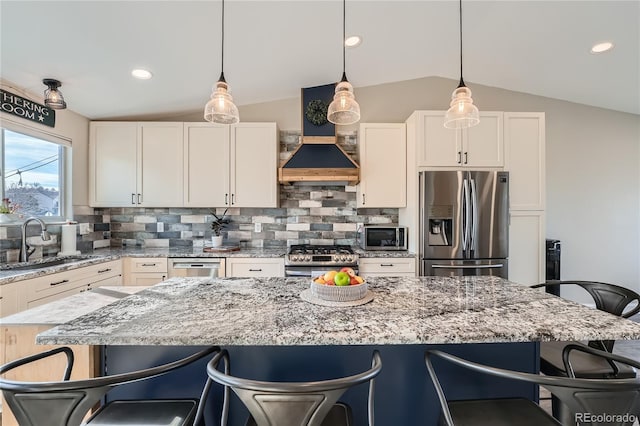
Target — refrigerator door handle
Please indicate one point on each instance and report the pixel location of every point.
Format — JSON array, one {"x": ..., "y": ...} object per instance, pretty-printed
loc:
[
  {"x": 474, "y": 216},
  {"x": 466, "y": 215},
  {"x": 494, "y": 266}
]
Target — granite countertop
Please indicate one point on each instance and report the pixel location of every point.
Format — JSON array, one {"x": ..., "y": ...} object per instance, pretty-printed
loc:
[
  {"x": 69, "y": 308},
  {"x": 9, "y": 275},
  {"x": 384, "y": 253},
  {"x": 269, "y": 311}
]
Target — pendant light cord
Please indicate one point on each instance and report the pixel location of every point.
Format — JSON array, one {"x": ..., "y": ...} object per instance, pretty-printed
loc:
[
  {"x": 344, "y": 36},
  {"x": 460, "y": 14},
  {"x": 222, "y": 49}
]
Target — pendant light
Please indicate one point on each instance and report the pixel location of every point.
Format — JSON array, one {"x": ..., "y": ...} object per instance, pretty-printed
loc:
[
  {"x": 220, "y": 108},
  {"x": 462, "y": 113},
  {"x": 52, "y": 96},
  {"x": 343, "y": 109}
]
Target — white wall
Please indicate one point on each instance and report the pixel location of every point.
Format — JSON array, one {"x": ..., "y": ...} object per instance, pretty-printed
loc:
[{"x": 592, "y": 157}]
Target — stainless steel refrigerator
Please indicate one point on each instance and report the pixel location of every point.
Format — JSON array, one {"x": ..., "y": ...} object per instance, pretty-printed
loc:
[{"x": 464, "y": 223}]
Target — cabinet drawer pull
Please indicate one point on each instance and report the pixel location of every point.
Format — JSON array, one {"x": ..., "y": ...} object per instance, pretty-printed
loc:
[
  {"x": 255, "y": 270},
  {"x": 59, "y": 282},
  {"x": 102, "y": 271},
  {"x": 386, "y": 264},
  {"x": 148, "y": 264}
]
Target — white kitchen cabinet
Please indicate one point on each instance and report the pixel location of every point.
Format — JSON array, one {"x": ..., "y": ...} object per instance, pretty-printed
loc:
[
  {"x": 479, "y": 146},
  {"x": 136, "y": 164},
  {"x": 58, "y": 285},
  {"x": 11, "y": 299},
  {"x": 383, "y": 165},
  {"x": 144, "y": 271},
  {"x": 234, "y": 166},
  {"x": 254, "y": 267},
  {"x": 387, "y": 267},
  {"x": 527, "y": 247},
  {"x": 525, "y": 159}
]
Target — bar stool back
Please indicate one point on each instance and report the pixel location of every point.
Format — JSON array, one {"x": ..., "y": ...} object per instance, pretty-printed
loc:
[
  {"x": 590, "y": 401},
  {"x": 294, "y": 403},
  {"x": 67, "y": 402}
]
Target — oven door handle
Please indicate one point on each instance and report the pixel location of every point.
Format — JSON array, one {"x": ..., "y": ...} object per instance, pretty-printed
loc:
[{"x": 297, "y": 273}]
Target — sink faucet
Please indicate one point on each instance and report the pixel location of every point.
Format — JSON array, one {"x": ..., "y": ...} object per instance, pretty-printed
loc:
[{"x": 25, "y": 249}]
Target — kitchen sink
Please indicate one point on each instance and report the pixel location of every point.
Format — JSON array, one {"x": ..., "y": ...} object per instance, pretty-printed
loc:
[{"x": 41, "y": 264}]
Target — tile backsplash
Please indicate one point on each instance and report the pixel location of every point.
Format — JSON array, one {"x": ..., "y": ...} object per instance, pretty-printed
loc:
[{"x": 307, "y": 214}]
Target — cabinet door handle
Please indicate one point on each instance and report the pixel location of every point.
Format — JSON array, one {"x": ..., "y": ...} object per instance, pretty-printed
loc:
[
  {"x": 59, "y": 282},
  {"x": 226, "y": 199},
  {"x": 363, "y": 200},
  {"x": 255, "y": 270},
  {"x": 459, "y": 157},
  {"x": 133, "y": 198},
  {"x": 466, "y": 158},
  {"x": 386, "y": 264},
  {"x": 102, "y": 271},
  {"x": 139, "y": 198},
  {"x": 233, "y": 198}
]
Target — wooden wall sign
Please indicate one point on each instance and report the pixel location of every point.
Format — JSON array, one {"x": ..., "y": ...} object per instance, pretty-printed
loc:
[{"x": 27, "y": 109}]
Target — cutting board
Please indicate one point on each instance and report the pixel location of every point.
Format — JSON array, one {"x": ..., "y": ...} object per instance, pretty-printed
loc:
[{"x": 221, "y": 249}]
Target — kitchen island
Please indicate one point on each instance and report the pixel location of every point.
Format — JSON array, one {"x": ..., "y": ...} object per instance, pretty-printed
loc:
[{"x": 273, "y": 334}]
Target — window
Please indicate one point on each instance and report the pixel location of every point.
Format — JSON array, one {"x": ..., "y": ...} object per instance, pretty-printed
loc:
[{"x": 32, "y": 175}]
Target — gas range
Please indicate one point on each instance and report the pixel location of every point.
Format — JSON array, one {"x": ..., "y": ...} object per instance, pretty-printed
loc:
[{"x": 321, "y": 255}]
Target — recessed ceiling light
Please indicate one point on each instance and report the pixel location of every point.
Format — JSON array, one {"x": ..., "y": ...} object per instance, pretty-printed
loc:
[
  {"x": 602, "y": 47},
  {"x": 352, "y": 41},
  {"x": 141, "y": 74}
]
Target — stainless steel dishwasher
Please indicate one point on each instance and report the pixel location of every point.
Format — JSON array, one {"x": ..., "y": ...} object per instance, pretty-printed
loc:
[{"x": 196, "y": 267}]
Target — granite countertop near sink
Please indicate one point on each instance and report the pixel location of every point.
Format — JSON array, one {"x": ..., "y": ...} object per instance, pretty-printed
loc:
[
  {"x": 13, "y": 272},
  {"x": 270, "y": 311},
  {"x": 191, "y": 252}
]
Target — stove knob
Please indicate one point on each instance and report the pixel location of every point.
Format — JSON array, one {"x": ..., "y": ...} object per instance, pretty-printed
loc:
[
  {"x": 307, "y": 258},
  {"x": 343, "y": 258}
]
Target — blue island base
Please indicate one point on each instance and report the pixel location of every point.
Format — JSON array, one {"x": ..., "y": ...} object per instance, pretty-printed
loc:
[{"x": 404, "y": 395}]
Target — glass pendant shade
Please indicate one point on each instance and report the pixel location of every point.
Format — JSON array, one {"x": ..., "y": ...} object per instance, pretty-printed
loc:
[
  {"x": 343, "y": 109},
  {"x": 462, "y": 113},
  {"x": 220, "y": 108},
  {"x": 52, "y": 96}
]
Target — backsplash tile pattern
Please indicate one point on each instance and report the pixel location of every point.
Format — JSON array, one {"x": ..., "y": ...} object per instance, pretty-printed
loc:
[{"x": 307, "y": 214}]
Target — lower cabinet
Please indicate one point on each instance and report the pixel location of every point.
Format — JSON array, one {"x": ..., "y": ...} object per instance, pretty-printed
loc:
[
  {"x": 254, "y": 267},
  {"x": 11, "y": 299},
  {"x": 387, "y": 267},
  {"x": 52, "y": 287},
  {"x": 527, "y": 247},
  {"x": 144, "y": 271}
]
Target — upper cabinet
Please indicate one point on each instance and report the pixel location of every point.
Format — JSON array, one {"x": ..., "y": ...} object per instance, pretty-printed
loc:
[
  {"x": 478, "y": 146},
  {"x": 525, "y": 159},
  {"x": 135, "y": 164},
  {"x": 231, "y": 166},
  {"x": 383, "y": 165}
]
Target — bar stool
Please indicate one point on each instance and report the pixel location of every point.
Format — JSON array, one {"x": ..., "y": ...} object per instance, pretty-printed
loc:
[
  {"x": 67, "y": 402},
  {"x": 614, "y": 400},
  {"x": 294, "y": 403},
  {"x": 611, "y": 298}
]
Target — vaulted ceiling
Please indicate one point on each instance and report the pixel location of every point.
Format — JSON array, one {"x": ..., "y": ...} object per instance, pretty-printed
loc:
[{"x": 274, "y": 48}]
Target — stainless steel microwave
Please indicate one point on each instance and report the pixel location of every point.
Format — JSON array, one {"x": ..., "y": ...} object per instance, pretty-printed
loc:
[{"x": 383, "y": 237}]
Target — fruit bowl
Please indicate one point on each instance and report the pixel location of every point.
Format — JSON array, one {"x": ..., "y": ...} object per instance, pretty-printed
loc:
[{"x": 335, "y": 293}]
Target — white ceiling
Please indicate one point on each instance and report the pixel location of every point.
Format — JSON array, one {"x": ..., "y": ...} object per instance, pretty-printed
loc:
[{"x": 274, "y": 48}]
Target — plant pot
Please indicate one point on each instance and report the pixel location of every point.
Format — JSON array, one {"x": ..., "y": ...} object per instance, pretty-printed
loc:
[{"x": 216, "y": 240}]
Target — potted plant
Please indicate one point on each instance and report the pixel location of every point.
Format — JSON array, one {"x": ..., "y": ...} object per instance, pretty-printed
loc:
[
  {"x": 8, "y": 211},
  {"x": 217, "y": 225}
]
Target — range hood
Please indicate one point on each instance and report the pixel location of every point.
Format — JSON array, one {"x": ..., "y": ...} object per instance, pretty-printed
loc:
[{"x": 319, "y": 160}]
